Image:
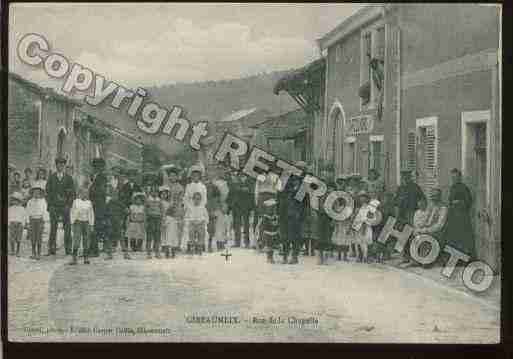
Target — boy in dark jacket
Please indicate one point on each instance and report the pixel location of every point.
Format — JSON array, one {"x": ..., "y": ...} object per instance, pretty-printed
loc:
[{"x": 241, "y": 201}]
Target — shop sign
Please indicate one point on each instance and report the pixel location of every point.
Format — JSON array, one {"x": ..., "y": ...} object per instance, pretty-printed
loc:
[{"x": 359, "y": 125}]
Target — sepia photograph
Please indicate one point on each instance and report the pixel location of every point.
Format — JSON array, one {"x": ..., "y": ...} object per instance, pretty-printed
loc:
[{"x": 254, "y": 173}]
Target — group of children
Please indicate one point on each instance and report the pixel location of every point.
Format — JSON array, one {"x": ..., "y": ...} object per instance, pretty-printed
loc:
[
  {"x": 357, "y": 233},
  {"x": 166, "y": 218},
  {"x": 33, "y": 215}
]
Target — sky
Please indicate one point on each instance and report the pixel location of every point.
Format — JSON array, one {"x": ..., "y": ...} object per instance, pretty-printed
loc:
[{"x": 158, "y": 44}]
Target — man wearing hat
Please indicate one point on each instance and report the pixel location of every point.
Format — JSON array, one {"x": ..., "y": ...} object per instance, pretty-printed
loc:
[
  {"x": 407, "y": 197},
  {"x": 98, "y": 196},
  {"x": 115, "y": 215},
  {"x": 292, "y": 215},
  {"x": 406, "y": 202},
  {"x": 60, "y": 191}
]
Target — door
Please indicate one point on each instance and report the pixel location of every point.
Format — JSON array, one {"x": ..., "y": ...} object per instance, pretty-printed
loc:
[{"x": 476, "y": 177}]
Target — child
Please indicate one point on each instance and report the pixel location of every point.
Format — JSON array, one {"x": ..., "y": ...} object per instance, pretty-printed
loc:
[
  {"x": 366, "y": 217},
  {"x": 82, "y": 220},
  {"x": 421, "y": 216},
  {"x": 340, "y": 238},
  {"x": 420, "y": 221},
  {"x": 37, "y": 214},
  {"x": 195, "y": 174},
  {"x": 169, "y": 227},
  {"x": 196, "y": 219},
  {"x": 325, "y": 231},
  {"x": 25, "y": 191},
  {"x": 154, "y": 215},
  {"x": 17, "y": 220},
  {"x": 223, "y": 226},
  {"x": 270, "y": 227},
  {"x": 136, "y": 220}
]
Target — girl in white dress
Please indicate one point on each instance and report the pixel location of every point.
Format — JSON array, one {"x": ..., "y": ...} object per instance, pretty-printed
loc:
[
  {"x": 367, "y": 216},
  {"x": 341, "y": 237}
]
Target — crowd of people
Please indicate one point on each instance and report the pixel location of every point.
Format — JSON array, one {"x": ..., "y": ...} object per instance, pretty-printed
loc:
[{"x": 190, "y": 211}]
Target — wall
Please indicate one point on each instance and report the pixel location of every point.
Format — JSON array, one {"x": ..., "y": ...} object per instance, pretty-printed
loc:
[
  {"x": 449, "y": 66},
  {"x": 56, "y": 115},
  {"x": 343, "y": 83},
  {"x": 23, "y": 122},
  {"x": 433, "y": 34},
  {"x": 446, "y": 99}
]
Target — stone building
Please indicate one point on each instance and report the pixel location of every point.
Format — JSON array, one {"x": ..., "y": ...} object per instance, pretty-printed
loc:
[
  {"x": 43, "y": 124},
  {"x": 307, "y": 87},
  {"x": 285, "y": 135},
  {"x": 419, "y": 85}
]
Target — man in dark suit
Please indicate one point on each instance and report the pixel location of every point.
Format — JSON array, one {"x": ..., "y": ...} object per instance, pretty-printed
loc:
[
  {"x": 98, "y": 197},
  {"x": 125, "y": 196},
  {"x": 60, "y": 191}
]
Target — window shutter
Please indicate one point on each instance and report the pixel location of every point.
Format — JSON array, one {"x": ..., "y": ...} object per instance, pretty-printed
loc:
[
  {"x": 412, "y": 150},
  {"x": 371, "y": 156},
  {"x": 430, "y": 160}
]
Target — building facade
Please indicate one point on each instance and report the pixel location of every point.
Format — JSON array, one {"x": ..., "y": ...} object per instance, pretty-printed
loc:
[
  {"x": 418, "y": 86},
  {"x": 43, "y": 125},
  {"x": 284, "y": 136},
  {"x": 307, "y": 87}
]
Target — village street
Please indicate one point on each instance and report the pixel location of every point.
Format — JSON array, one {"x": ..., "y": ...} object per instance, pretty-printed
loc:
[{"x": 351, "y": 302}]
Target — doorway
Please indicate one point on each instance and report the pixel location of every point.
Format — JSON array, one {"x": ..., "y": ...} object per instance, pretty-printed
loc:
[{"x": 475, "y": 166}]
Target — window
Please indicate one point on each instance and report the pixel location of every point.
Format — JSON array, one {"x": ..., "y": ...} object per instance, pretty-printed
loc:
[
  {"x": 376, "y": 153},
  {"x": 351, "y": 166},
  {"x": 60, "y": 143},
  {"x": 338, "y": 52},
  {"x": 367, "y": 55},
  {"x": 426, "y": 153},
  {"x": 372, "y": 48}
]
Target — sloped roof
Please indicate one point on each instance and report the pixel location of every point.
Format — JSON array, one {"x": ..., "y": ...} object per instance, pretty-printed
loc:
[
  {"x": 284, "y": 126},
  {"x": 246, "y": 118},
  {"x": 237, "y": 115},
  {"x": 42, "y": 90},
  {"x": 294, "y": 81}
]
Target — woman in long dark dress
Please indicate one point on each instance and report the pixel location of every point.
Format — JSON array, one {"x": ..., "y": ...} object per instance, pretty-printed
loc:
[{"x": 458, "y": 232}]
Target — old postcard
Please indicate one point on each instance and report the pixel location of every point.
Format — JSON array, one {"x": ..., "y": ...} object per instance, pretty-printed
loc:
[{"x": 254, "y": 172}]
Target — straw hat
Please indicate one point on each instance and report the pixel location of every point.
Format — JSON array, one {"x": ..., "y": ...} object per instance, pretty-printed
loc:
[
  {"x": 138, "y": 194},
  {"x": 195, "y": 168},
  {"x": 164, "y": 189},
  {"x": 38, "y": 185},
  {"x": 62, "y": 160}
]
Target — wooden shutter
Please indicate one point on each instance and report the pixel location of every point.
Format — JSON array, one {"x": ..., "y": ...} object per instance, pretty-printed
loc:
[
  {"x": 430, "y": 160},
  {"x": 412, "y": 150}
]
